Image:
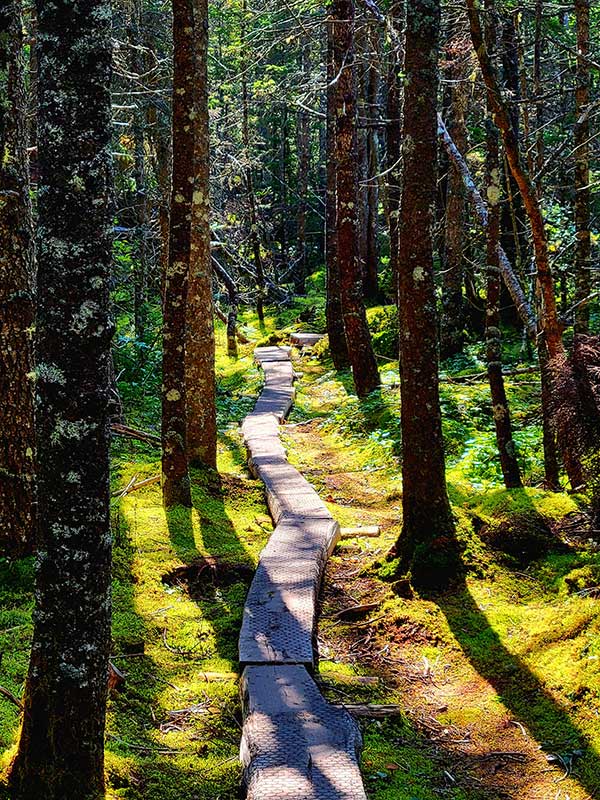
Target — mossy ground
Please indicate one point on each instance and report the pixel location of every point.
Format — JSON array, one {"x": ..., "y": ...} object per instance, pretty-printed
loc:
[{"x": 496, "y": 681}]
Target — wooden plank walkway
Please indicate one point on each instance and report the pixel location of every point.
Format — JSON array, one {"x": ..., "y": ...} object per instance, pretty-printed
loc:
[{"x": 295, "y": 745}]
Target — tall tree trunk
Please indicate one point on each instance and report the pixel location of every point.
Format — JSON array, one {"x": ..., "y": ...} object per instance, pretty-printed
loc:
[
  {"x": 139, "y": 194},
  {"x": 17, "y": 298},
  {"x": 358, "y": 338},
  {"x": 371, "y": 257},
  {"x": 200, "y": 382},
  {"x": 335, "y": 323},
  {"x": 581, "y": 135},
  {"x": 61, "y": 749},
  {"x": 514, "y": 222},
  {"x": 303, "y": 150},
  {"x": 551, "y": 325},
  {"x": 453, "y": 322},
  {"x": 500, "y": 410},
  {"x": 426, "y": 544},
  {"x": 254, "y": 231},
  {"x": 175, "y": 477},
  {"x": 394, "y": 140},
  {"x": 493, "y": 335}
]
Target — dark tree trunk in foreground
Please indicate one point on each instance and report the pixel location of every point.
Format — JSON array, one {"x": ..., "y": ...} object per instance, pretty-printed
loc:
[
  {"x": 360, "y": 350},
  {"x": 175, "y": 477},
  {"x": 61, "y": 751},
  {"x": 335, "y": 323},
  {"x": 581, "y": 137},
  {"x": 426, "y": 545},
  {"x": 200, "y": 338},
  {"x": 17, "y": 304},
  {"x": 493, "y": 335}
]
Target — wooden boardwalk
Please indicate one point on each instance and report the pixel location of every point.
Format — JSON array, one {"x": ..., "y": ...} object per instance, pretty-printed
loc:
[{"x": 295, "y": 745}]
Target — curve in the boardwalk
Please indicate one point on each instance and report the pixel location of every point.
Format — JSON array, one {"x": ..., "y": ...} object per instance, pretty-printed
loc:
[{"x": 295, "y": 745}]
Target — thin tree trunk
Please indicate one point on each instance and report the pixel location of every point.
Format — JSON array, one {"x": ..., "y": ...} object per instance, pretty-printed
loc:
[
  {"x": 303, "y": 150},
  {"x": 254, "y": 231},
  {"x": 426, "y": 544},
  {"x": 551, "y": 324},
  {"x": 371, "y": 265},
  {"x": 581, "y": 135},
  {"x": 17, "y": 298},
  {"x": 335, "y": 323},
  {"x": 200, "y": 381},
  {"x": 139, "y": 194},
  {"x": 360, "y": 349},
  {"x": 453, "y": 322},
  {"x": 175, "y": 477},
  {"x": 61, "y": 749},
  {"x": 493, "y": 335},
  {"x": 394, "y": 140}
]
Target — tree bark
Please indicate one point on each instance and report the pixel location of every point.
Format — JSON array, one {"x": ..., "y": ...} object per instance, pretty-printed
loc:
[
  {"x": 551, "y": 324},
  {"x": 493, "y": 335},
  {"x": 333, "y": 310},
  {"x": 426, "y": 545},
  {"x": 303, "y": 150},
  {"x": 200, "y": 337},
  {"x": 453, "y": 322},
  {"x": 371, "y": 257},
  {"x": 254, "y": 230},
  {"x": 17, "y": 298},
  {"x": 581, "y": 135},
  {"x": 175, "y": 476},
  {"x": 394, "y": 141},
  {"x": 358, "y": 338},
  {"x": 61, "y": 749}
]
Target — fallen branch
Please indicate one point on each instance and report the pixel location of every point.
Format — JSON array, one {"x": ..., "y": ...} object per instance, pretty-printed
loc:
[
  {"x": 132, "y": 433},
  {"x": 372, "y": 710},
  {"x": 356, "y": 611},
  {"x": 10, "y": 696},
  {"x": 513, "y": 285},
  {"x": 363, "y": 531},
  {"x": 474, "y": 376},
  {"x": 133, "y": 487}
]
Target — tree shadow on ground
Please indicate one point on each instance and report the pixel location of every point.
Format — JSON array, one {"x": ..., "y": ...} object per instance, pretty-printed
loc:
[
  {"x": 520, "y": 690},
  {"x": 219, "y": 566},
  {"x": 144, "y": 761}
]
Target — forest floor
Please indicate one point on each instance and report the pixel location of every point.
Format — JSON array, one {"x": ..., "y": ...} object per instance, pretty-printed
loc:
[{"x": 495, "y": 684}]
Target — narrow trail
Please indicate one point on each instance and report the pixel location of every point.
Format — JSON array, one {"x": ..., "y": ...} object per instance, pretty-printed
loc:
[{"x": 295, "y": 745}]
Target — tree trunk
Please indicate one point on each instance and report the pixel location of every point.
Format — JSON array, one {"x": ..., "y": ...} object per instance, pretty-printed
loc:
[
  {"x": 394, "y": 141},
  {"x": 581, "y": 135},
  {"x": 254, "y": 231},
  {"x": 371, "y": 258},
  {"x": 493, "y": 335},
  {"x": 17, "y": 298},
  {"x": 453, "y": 322},
  {"x": 200, "y": 338},
  {"x": 335, "y": 323},
  {"x": 303, "y": 149},
  {"x": 360, "y": 349},
  {"x": 61, "y": 750},
  {"x": 426, "y": 544},
  {"x": 139, "y": 195},
  {"x": 175, "y": 477},
  {"x": 551, "y": 325}
]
